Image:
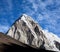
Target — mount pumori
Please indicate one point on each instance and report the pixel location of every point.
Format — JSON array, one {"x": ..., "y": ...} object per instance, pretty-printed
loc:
[{"x": 28, "y": 31}]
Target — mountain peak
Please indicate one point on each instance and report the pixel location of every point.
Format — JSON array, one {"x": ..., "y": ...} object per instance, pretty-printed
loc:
[
  {"x": 27, "y": 18},
  {"x": 24, "y": 15},
  {"x": 27, "y": 31}
]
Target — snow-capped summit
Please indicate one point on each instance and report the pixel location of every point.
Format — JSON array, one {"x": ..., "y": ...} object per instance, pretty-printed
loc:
[
  {"x": 27, "y": 31},
  {"x": 25, "y": 17}
]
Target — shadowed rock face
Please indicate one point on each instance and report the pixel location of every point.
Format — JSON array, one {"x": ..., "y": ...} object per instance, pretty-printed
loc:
[
  {"x": 57, "y": 44},
  {"x": 36, "y": 29},
  {"x": 8, "y": 44},
  {"x": 27, "y": 31}
]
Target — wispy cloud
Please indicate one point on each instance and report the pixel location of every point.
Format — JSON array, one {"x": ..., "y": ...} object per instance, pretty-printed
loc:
[
  {"x": 5, "y": 15},
  {"x": 45, "y": 12},
  {"x": 48, "y": 14},
  {"x": 4, "y": 28}
]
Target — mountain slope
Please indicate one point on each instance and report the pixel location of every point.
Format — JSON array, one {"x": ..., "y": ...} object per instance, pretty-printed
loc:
[
  {"x": 28, "y": 31},
  {"x": 8, "y": 44}
]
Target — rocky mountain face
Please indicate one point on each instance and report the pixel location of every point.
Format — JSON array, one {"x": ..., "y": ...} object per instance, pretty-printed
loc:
[{"x": 27, "y": 31}]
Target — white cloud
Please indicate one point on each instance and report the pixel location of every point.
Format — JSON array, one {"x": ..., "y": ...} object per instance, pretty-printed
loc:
[
  {"x": 41, "y": 12},
  {"x": 49, "y": 16},
  {"x": 4, "y": 28}
]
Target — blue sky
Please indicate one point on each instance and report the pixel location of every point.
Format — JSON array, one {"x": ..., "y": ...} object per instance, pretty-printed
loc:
[{"x": 45, "y": 12}]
